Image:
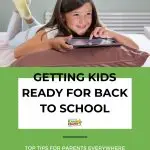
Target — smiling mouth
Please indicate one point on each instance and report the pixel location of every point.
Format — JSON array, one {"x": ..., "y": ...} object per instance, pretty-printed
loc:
[{"x": 82, "y": 27}]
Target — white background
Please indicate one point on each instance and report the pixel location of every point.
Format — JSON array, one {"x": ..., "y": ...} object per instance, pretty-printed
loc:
[{"x": 30, "y": 114}]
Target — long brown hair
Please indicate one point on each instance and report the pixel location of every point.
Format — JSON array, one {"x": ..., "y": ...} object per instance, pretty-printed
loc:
[{"x": 64, "y": 6}]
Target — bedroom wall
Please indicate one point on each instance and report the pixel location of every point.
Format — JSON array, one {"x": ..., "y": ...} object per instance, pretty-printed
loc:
[{"x": 38, "y": 8}]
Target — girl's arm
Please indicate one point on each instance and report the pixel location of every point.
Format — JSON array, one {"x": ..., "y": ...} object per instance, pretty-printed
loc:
[
  {"x": 36, "y": 45},
  {"x": 33, "y": 45},
  {"x": 106, "y": 33},
  {"x": 124, "y": 40}
]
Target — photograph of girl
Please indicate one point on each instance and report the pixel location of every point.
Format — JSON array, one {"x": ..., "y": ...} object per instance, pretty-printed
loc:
[{"x": 70, "y": 18}]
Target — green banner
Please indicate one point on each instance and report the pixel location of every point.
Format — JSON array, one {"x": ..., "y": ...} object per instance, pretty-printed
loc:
[{"x": 11, "y": 138}]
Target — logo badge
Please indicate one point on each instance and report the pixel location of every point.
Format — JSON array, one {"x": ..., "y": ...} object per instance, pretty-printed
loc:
[{"x": 74, "y": 122}]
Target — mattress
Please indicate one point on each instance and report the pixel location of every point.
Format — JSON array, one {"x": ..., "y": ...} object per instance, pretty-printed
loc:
[{"x": 7, "y": 54}]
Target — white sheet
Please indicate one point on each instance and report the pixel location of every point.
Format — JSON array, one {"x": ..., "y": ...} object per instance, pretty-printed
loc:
[
  {"x": 143, "y": 43},
  {"x": 7, "y": 54}
]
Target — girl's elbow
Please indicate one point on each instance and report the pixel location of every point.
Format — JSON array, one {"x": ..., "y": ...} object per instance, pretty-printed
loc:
[
  {"x": 16, "y": 54},
  {"x": 136, "y": 46}
]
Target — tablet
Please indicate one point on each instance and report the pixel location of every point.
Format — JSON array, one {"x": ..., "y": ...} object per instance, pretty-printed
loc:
[{"x": 96, "y": 42}]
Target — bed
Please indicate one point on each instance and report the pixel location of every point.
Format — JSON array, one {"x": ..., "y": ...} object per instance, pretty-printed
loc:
[{"x": 7, "y": 55}]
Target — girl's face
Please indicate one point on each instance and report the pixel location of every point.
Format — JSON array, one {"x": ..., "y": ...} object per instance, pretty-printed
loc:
[{"x": 79, "y": 20}]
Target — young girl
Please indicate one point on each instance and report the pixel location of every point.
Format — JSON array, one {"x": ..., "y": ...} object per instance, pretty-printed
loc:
[{"x": 71, "y": 18}]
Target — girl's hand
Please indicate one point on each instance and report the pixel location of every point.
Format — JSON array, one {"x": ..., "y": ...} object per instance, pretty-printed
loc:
[
  {"x": 59, "y": 44},
  {"x": 102, "y": 32}
]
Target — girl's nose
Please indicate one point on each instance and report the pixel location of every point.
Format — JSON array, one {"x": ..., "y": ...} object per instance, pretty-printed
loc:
[{"x": 82, "y": 20}]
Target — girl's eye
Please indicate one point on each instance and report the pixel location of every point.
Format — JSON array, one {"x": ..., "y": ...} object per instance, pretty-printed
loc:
[
  {"x": 75, "y": 14},
  {"x": 89, "y": 14}
]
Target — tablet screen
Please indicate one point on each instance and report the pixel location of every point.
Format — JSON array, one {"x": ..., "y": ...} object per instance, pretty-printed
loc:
[{"x": 85, "y": 42}]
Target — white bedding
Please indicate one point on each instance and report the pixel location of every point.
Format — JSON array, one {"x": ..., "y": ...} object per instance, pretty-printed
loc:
[
  {"x": 6, "y": 52},
  {"x": 7, "y": 55},
  {"x": 143, "y": 43}
]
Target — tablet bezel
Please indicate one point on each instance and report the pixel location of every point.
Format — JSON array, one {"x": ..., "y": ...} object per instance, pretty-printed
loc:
[{"x": 115, "y": 43}]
